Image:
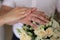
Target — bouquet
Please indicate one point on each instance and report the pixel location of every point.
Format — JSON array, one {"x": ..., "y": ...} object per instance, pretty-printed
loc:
[{"x": 50, "y": 31}]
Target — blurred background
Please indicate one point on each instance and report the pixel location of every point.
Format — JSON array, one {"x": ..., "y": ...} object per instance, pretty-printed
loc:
[{"x": 6, "y": 30}]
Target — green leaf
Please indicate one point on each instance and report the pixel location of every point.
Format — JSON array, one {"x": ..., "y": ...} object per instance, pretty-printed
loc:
[{"x": 18, "y": 30}]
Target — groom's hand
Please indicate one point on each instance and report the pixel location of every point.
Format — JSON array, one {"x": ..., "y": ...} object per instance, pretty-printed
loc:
[
  {"x": 36, "y": 16},
  {"x": 17, "y": 14}
]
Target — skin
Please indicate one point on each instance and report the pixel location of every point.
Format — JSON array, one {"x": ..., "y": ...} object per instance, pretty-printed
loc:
[
  {"x": 36, "y": 17},
  {"x": 4, "y": 10},
  {"x": 22, "y": 15}
]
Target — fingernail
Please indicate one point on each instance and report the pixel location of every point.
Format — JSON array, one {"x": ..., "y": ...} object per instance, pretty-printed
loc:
[
  {"x": 37, "y": 23},
  {"x": 31, "y": 21},
  {"x": 24, "y": 24}
]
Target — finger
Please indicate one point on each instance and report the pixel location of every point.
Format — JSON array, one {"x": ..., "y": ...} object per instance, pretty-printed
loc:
[
  {"x": 31, "y": 24},
  {"x": 17, "y": 11},
  {"x": 41, "y": 14},
  {"x": 26, "y": 13},
  {"x": 38, "y": 21},
  {"x": 21, "y": 11},
  {"x": 40, "y": 17},
  {"x": 28, "y": 22},
  {"x": 20, "y": 8},
  {"x": 23, "y": 14},
  {"x": 34, "y": 26},
  {"x": 32, "y": 16}
]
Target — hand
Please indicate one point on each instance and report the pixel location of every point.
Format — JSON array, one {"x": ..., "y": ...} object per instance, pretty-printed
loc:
[
  {"x": 36, "y": 16},
  {"x": 16, "y": 14},
  {"x": 41, "y": 16}
]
